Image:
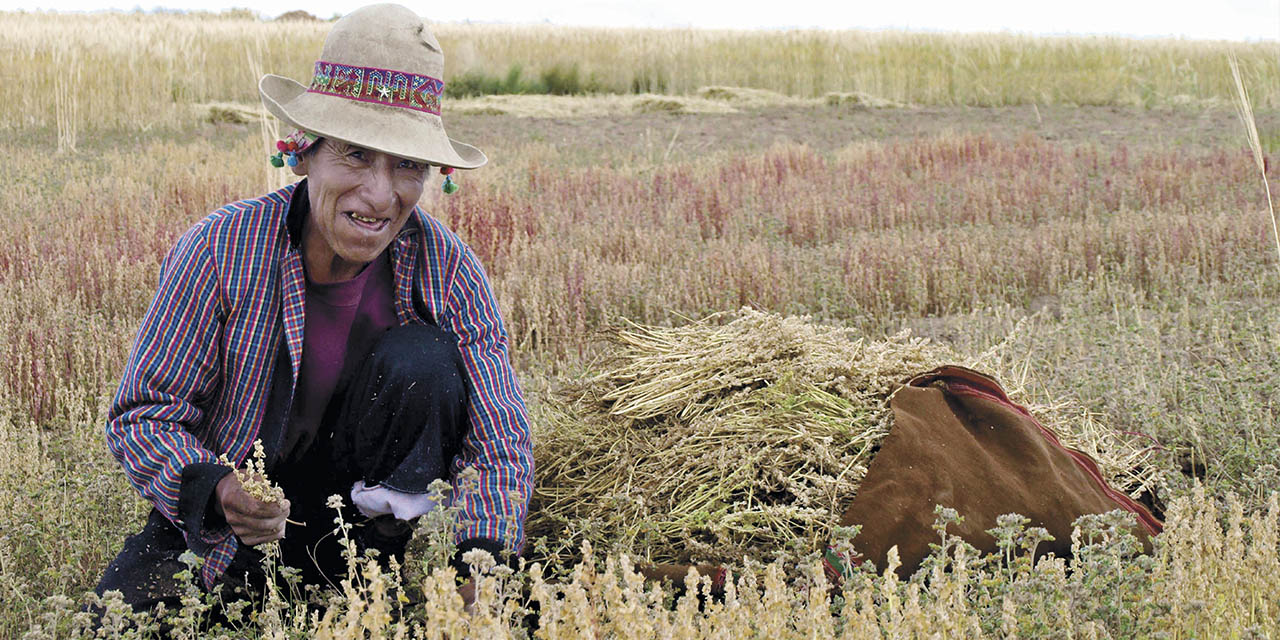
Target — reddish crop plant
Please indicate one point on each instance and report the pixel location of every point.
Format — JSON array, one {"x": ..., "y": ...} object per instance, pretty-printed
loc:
[{"x": 920, "y": 227}]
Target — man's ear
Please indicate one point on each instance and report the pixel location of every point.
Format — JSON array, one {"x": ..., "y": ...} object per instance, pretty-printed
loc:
[{"x": 300, "y": 169}]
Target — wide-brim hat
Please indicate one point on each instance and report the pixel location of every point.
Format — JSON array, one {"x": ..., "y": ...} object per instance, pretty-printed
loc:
[{"x": 376, "y": 85}]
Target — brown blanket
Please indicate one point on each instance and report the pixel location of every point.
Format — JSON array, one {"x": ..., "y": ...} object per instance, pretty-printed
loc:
[{"x": 958, "y": 441}]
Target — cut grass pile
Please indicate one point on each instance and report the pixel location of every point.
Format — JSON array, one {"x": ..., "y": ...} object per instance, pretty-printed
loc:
[{"x": 739, "y": 435}]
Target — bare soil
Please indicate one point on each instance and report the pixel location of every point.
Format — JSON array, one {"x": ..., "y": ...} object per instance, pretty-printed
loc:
[{"x": 829, "y": 128}]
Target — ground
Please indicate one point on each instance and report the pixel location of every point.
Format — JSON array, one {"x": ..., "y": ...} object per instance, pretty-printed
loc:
[{"x": 830, "y": 128}]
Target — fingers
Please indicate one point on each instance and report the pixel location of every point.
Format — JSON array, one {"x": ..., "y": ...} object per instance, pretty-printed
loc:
[
  {"x": 254, "y": 538},
  {"x": 237, "y": 503},
  {"x": 253, "y": 520},
  {"x": 252, "y": 507},
  {"x": 259, "y": 522},
  {"x": 256, "y": 530}
]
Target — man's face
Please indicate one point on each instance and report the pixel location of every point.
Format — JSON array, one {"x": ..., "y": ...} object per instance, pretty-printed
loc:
[{"x": 360, "y": 199}]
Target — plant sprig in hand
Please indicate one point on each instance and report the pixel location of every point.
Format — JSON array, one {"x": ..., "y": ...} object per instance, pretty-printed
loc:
[{"x": 253, "y": 478}]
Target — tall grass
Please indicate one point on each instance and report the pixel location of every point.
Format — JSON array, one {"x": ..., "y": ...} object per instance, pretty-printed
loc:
[
  {"x": 146, "y": 70},
  {"x": 1156, "y": 266},
  {"x": 1149, "y": 250},
  {"x": 67, "y": 99},
  {"x": 865, "y": 236},
  {"x": 946, "y": 69},
  {"x": 140, "y": 71}
]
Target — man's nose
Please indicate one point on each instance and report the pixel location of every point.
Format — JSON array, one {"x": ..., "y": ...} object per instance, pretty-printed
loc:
[{"x": 379, "y": 188}]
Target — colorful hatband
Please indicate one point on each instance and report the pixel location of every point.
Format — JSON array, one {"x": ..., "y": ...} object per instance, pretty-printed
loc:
[{"x": 378, "y": 86}]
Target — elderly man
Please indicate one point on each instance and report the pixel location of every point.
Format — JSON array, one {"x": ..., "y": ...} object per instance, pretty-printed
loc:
[{"x": 338, "y": 324}]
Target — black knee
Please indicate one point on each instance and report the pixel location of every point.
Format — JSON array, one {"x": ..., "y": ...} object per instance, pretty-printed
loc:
[
  {"x": 145, "y": 571},
  {"x": 404, "y": 412},
  {"x": 423, "y": 358}
]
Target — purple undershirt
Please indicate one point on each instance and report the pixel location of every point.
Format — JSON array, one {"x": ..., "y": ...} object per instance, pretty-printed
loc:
[{"x": 341, "y": 318}]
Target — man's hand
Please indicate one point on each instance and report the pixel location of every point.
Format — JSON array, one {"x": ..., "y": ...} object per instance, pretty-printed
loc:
[{"x": 253, "y": 520}]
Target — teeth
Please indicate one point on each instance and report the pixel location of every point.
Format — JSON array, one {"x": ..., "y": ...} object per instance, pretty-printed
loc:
[{"x": 363, "y": 219}]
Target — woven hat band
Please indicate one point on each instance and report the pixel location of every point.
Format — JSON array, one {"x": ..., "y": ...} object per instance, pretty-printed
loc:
[{"x": 378, "y": 86}]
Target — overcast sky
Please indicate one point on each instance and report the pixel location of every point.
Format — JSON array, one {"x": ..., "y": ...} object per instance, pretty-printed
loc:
[{"x": 1195, "y": 19}]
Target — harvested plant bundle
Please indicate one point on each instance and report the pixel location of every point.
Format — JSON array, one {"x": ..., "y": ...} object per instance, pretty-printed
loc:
[{"x": 738, "y": 435}]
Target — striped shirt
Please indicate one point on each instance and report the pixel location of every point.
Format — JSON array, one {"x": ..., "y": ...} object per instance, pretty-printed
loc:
[{"x": 231, "y": 294}]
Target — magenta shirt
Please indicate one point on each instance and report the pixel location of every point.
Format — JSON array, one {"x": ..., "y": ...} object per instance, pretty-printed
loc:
[{"x": 343, "y": 319}]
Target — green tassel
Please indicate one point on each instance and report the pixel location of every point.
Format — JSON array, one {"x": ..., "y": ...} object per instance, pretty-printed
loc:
[
  {"x": 449, "y": 186},
  {"x": 277, "y": 161}
]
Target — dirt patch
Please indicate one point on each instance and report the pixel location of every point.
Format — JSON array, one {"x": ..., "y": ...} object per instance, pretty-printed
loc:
[{"x": 833, "y": 127}]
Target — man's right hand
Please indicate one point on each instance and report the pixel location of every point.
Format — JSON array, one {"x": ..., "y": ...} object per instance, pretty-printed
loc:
[{"x": 252, "y": 520}]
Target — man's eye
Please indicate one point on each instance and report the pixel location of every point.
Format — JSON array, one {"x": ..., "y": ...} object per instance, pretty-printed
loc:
[
  {"x": 411, "y": 165},
  {"x": 356, "y": 154}
]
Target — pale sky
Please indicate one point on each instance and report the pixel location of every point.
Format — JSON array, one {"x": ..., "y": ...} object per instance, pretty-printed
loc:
[{"x": 1193, "y": 19}]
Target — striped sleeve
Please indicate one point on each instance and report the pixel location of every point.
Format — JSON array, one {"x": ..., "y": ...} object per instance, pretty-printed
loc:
[
  {"x": 497, "y": 446},
  {"x": 172, "y": 372}
]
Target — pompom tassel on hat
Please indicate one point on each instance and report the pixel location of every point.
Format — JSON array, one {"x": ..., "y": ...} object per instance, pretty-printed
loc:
[
  {"x": 287, "y": 150},
  {"x": 449, "y": 185}
]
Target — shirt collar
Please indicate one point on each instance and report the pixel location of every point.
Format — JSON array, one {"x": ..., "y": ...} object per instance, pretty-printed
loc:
[{"x": 299, "y": 207}]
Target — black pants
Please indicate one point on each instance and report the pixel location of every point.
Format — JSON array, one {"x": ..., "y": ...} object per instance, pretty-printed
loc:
[{"x": 397, "y": 421}]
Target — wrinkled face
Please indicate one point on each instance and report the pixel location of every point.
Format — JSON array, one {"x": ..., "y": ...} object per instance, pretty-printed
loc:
[{"x": 360, "y": 199}]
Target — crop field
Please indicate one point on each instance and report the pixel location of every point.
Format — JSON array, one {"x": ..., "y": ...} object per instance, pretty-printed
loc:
[{"x": 1082, "y": 218}]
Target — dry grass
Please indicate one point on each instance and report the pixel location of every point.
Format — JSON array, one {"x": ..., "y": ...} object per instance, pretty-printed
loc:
[
  {"x": 927, "y": 226},
  {"x": 145, "y": 70},
  {"x": 974, "y": 69},
  {"x": 230, "y": 112},
  {"x": 713, "y": 100},
  {"x": 745, "y": 97},
  {"x": 1169, "y": 220},
  {"x": 142, "y": 71},
  {"x": 541, "y": 106}
]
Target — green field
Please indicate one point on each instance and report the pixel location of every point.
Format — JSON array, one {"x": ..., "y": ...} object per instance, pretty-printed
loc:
[{"x": 1083, "y": 216}]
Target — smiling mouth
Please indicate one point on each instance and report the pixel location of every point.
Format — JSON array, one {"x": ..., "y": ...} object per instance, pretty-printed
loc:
[{"x": 371, "y": 224}]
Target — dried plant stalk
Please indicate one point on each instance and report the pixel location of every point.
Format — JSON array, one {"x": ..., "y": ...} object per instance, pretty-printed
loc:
[
  {"x": 66, "y": 102},
  {"x": 1245, "y": 110},
  {"x": 268, "y": 127}
]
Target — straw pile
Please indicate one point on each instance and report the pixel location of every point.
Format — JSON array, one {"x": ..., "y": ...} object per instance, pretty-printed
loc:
[{"x": 738, "y": 435}]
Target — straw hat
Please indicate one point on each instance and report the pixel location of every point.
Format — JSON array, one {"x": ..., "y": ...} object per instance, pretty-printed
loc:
[{"x": 376, "y": 85}]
